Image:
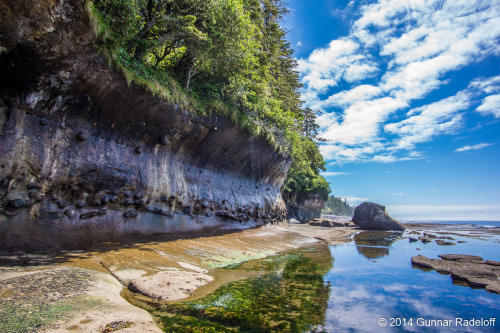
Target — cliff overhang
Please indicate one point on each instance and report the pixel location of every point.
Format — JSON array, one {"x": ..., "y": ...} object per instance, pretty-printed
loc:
[{"x": 85, "y": 158}]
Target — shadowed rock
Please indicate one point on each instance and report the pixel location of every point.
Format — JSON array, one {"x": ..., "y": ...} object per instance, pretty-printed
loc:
[
  {"x": 22, "y": 259},
  {"x": 226, "y": 215},
  {"x": 372, "y": 216},
  {"x": 85, "y": 154},
  {"x": 461, "y": 257},
  {"x": 471, "y": 269},
  {"x": 82, "y": 136},
  {"x": 443, "y": 242},
  {"x": 327, "y": 223}
]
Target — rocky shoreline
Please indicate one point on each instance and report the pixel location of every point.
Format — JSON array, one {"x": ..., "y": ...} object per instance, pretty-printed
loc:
[
  {"x": 473, "y": 270},
  {"x": 84, "y": 291},
  {"x": 157, "y": 270}
]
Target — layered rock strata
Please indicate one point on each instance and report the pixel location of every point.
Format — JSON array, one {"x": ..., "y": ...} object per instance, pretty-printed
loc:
[
  {"x": 473, "y": 270},
  {"x": 86, "y": 158}
]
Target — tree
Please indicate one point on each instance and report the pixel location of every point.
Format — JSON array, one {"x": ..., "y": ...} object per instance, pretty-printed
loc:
[
  {"x": 337, "y": 206},
  {"x": 232, "y": 53}
]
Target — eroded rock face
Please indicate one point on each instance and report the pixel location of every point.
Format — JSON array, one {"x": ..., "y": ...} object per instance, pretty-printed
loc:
[
  {"x": 372, "y": 216},
  {"x": 85, "y": 158},
  {"x": 304, "y": 207}
]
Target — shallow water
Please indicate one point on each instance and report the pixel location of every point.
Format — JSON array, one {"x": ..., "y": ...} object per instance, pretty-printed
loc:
[
  {"x": 345, "y": 288},
  {"x": 372, "y": 278}
]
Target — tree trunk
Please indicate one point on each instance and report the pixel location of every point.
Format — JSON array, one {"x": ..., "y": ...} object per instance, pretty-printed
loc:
[{"x": 191, "y": 73}]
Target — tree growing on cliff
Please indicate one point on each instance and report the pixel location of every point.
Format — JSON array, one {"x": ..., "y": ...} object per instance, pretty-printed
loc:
[
  {"x": 225, "y": 55},
  {"x": 337, "y": 206}
]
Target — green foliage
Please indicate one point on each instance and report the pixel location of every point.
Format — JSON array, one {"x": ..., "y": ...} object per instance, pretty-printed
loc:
[
  {"x": 304, "y": 175},
  {"x": 337, "y": 206},
  {"x": 227, "y": 56}
]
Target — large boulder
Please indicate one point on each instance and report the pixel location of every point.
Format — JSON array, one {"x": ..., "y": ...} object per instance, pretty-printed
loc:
[{"x": 372, "y": 216}]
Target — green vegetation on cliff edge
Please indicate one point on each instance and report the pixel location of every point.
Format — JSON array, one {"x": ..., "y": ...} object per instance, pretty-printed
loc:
[
  {"x": 224, "y": 56},
  {"x": 337, "y": 206}
]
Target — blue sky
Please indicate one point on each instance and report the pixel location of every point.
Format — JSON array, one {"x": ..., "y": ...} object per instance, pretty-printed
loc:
[{"x": 409, "y": 92}]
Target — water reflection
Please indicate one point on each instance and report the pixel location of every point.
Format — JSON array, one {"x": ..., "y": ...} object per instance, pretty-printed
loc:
[
  {"x": 363, "y": 291},
  {"x": 375, "y": 244}
]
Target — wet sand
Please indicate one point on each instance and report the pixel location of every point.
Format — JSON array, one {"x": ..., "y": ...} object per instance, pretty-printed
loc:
[
  {"x": 332, "y": 236},
  {"x": 183, "y": 268}
]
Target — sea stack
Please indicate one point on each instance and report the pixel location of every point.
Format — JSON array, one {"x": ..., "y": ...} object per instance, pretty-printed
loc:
[{"x": 372, "y": 216}]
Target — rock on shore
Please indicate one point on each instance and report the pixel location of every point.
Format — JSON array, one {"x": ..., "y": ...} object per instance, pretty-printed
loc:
[
  {"x": 471, "y": 269},
  {"x": 372, "y": 216},
  {"x": 328, "y": 223}
]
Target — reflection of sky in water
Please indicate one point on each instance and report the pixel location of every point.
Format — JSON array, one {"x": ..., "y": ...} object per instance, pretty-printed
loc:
[{"x": 363, "y": 289}]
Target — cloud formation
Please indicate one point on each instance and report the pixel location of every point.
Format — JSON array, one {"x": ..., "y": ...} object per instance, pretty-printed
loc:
[
  {"x": 333, "y": 173},
  {"x": 396, "y": 54},
  {"x": 474, "y": 147}
]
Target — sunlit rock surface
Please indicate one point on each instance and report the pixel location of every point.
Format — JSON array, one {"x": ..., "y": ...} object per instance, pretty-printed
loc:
[{"x": 372, "y": 216}]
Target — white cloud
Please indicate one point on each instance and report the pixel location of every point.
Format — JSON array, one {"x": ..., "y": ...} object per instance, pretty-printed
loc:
[
  {"x": 299, "y": 44},
  {"x": 325, "y": 66},
  {"x": 428, "y": 121},
  {"x": 410, "y": 45},
  {"x": 490, "y": 104},
  {"x": 361, "y": 121},
  {"x": 358, "y": 72},
  {"x": 392, "y": 158},
  {"x": 488, "y": 85},
  {"x": 348, "y": 97},
  {"x": 474, "y": 147},
  {"x": 333, "y": 173}
]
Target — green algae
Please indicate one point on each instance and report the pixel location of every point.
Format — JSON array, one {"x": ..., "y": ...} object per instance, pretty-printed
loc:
[
  {"x": 39, "y": 314},
  {"x": 291, "y": 296}
]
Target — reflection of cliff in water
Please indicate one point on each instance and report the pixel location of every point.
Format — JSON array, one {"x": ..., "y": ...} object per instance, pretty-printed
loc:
[{"x": 375, "y": 244}]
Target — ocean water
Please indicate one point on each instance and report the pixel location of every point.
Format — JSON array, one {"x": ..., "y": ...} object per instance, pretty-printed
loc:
[
  {"x": 373, "y": 288},
  {"x": 468, "y": 224}
]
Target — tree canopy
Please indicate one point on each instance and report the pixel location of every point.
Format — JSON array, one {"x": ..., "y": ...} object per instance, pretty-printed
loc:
[
  {"x": 230, "y": 56},
  {"x": 337, "y": 206}
]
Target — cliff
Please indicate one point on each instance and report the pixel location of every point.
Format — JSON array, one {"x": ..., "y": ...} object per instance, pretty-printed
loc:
[
  {"x": 85, "y": 158},
  {"x": 304, "y": 206}
]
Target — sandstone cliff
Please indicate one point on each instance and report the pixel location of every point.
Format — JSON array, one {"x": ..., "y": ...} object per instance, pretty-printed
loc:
[{"x": 85, "y": 158}]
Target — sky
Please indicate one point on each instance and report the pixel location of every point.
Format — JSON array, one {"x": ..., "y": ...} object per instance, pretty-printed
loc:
[{"x": 409, "y": 95}]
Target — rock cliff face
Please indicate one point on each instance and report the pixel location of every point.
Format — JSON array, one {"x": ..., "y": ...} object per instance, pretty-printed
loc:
[
  {"x": 85, "y": 158},
  {"x": 304, "y": 206}
]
